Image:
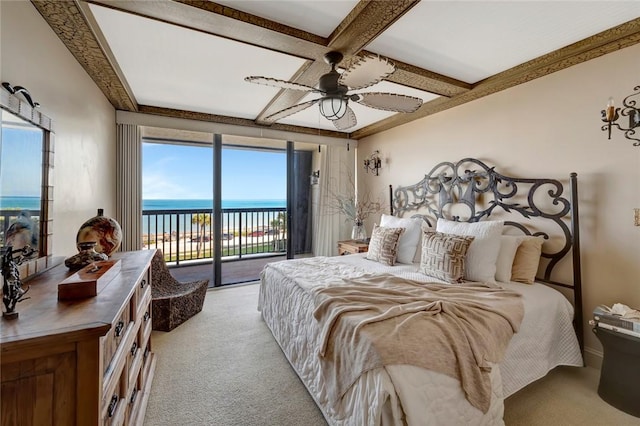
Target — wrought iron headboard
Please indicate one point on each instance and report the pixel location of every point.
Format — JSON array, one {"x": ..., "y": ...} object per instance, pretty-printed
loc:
[{"x": 470, "y": 181}]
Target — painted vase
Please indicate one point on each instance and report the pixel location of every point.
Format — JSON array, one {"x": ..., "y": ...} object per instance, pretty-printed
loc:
[{"x": 102, "y": 230}]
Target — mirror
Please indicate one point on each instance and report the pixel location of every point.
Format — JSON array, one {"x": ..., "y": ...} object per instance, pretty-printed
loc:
[
  {"x": 20, "y": 183},
  {"x": 26, "y": 160}
]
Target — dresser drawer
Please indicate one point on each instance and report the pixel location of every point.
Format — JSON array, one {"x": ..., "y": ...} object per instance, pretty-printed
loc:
[
  {"x": 143, "y": 286},
  {"x": 134, "y": 359},
  {"x": 114, "y": 404},
  {"x": 115, "y": 336},
  {"x": 146, "y": 364},
  {"x": 133, "y": 402}
]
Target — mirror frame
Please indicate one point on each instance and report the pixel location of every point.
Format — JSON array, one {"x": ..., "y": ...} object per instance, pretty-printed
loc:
[{"x": 22, "y": 109}]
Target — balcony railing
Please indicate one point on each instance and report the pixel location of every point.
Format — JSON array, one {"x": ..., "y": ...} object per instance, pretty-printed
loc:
[{"x": 186, "y": 235}]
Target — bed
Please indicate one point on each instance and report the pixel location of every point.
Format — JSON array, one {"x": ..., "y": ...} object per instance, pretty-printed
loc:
[{"x": 546, "y": 332}]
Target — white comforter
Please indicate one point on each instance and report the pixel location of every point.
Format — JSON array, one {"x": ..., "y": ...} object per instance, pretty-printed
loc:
[{"x": 402, "y": 394}]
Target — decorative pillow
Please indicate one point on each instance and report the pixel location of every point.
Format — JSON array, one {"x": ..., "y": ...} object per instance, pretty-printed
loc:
[
  {"x": 410, "y": 238},
  {"x": 443, "y": 255},
  {"x": 508, "y": 246},
  {"x": 525, "y": 263},
  {"x": 383, "y": 246},
  {"x": 481, "y": 260}
]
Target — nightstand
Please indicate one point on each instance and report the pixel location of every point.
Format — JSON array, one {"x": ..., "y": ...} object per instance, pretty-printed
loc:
[
  {"x": 620, "y": 374},
  {"x": 352, "y": 247}
]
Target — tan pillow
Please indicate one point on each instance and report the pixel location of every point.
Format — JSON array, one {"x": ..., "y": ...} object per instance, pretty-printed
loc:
[
  {"x": 383, "y": 246},
  {"x": 443, "y": 255},
  {"x": 525, "y": 263}
]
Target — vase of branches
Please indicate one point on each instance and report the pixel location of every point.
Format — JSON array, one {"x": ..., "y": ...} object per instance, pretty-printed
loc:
[
  {"x": 358, "y": 232},
  {"x": 355, "y": 209}
]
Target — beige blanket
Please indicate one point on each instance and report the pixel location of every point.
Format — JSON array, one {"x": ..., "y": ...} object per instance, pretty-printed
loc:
[{"x": 371, "y": 322}]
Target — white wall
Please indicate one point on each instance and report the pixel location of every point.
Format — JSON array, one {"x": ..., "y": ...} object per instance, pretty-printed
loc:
[
  {"x": 85, "y": 150},
  {"x": 546, "y": 128}
]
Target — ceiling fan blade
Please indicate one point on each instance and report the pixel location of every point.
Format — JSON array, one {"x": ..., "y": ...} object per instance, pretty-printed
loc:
[
  {"x": 347, "y": 121},
  {"x": 291, "y": 110},
  {"x": 366, "y": 72},
  {"x": 282, "y": 84},
  {"x": 388, "y": 101}
]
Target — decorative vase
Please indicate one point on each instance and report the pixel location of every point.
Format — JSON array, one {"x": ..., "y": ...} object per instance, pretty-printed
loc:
[
  {"x": 358, "y": 232},
  {"x": 102, "y": 230},
  {"x": 87, "y": 255}
]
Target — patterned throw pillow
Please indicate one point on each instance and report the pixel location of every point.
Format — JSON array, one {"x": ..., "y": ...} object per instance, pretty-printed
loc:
[
  {"x": 443, "y": 255},
  {"x": 383, "y": 246}
]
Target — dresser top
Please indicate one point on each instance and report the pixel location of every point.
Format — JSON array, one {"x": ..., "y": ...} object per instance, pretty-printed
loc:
[{"x": 43, "y": 316}]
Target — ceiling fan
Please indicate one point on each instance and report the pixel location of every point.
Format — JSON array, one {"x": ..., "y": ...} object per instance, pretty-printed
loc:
[{"x": 334, "y": 88}]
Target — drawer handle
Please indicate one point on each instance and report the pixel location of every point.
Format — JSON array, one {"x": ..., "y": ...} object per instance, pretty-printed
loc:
[
  {"x": 119, "y": 328},
  {"x": 143, "y": 283},
  {"x": 133, "y": 396},
  {"x": 134, "y": 348},
  {"x": 146, "y": 352},
  {"x": 112, "y": 405},
  {"x": 146, "y": 317}
]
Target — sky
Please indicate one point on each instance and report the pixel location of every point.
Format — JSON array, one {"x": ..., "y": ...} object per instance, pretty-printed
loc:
[
  {"x": 20, "y": 162},
  {"x": 186, "y": 172}
]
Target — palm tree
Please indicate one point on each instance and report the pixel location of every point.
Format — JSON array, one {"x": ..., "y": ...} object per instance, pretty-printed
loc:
[
  {"x": 202, "y": 220},
  {"x": 279, "y": 224}
]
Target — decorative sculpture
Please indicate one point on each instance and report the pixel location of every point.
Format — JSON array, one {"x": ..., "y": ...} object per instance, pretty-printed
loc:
[{"x": 12, "y": 291}]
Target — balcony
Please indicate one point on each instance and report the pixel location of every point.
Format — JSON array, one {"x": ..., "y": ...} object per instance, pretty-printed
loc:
[{"x": 186, "y": 239}]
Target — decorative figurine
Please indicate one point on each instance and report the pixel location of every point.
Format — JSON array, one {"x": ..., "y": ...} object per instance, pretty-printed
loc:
[
  {"x": 12, "y": 291},
  {"x": 87, "y": 256}
]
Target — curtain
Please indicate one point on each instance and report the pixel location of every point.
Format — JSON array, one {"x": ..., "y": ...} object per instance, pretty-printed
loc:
[
  {"x": 336, "y": 176},
  {"x": 302, "y": 226},
  {"x": 129, "y": 185}
]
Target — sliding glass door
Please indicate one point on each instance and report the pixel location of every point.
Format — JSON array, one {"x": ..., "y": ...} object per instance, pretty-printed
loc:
[
  {"x": 253, "y": 210},
  {"x": 223, "y": 208}
]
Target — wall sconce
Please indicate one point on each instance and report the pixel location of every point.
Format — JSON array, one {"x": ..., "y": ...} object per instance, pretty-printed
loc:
[
  {"x": 315, "y": 177},
  {"x": 373, "y": 163},
  {"x": 611, "y": 114}
]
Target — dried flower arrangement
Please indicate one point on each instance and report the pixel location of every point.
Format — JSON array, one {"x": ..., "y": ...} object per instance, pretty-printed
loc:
[{"x": 357, "y": 210}]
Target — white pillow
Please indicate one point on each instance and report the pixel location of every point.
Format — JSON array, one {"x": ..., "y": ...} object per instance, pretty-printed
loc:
[
  {"x": 482, "y": 255},
  {"x": 410, "y": 238},
  {"x": 508, "y": 246}
]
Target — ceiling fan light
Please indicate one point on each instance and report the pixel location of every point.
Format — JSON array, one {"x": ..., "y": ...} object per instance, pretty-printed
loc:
[{"x": 333, "y": 108}]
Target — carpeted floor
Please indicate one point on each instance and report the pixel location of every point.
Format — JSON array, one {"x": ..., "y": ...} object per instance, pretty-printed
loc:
[{"x": 223, "y": 367}]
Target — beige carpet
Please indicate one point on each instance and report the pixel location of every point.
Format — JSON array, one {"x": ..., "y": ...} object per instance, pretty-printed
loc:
[{"x": 222, "y": 367}]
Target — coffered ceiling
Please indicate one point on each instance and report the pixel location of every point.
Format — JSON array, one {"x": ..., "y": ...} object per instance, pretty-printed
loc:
[{"x": 188, "y": 58}]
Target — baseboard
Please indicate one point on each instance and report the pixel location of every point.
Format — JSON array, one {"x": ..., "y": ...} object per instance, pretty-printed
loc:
[{"x": 593, "y": 358}]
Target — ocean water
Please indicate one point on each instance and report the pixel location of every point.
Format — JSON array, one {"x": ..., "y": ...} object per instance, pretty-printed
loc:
[
  {"x": 182, "y": 222},
  {"x": 33, "y": 203},
  {"x": 19, "y": 203},
  {"x": 208, "y": 204}
]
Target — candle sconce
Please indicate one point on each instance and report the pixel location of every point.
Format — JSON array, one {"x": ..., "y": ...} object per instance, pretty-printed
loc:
[
  {"x": 19, "y": 90},
  {"x": 373, "y": 163},
  {"x": 611, "y": 114}
]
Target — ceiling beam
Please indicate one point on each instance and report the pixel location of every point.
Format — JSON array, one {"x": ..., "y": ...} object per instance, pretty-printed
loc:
[
  {"x": 429, "y": 81},
  {"x": 212, "y": 18},
  {"x": 69, "y": 22},
  {"x": 608, "y": 41},
  {"x": 223, "y": 119},
  {"x": 366, "y": 21}
]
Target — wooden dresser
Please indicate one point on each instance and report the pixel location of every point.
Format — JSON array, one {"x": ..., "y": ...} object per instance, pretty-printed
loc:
[{"x": 80, "y": 362}]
